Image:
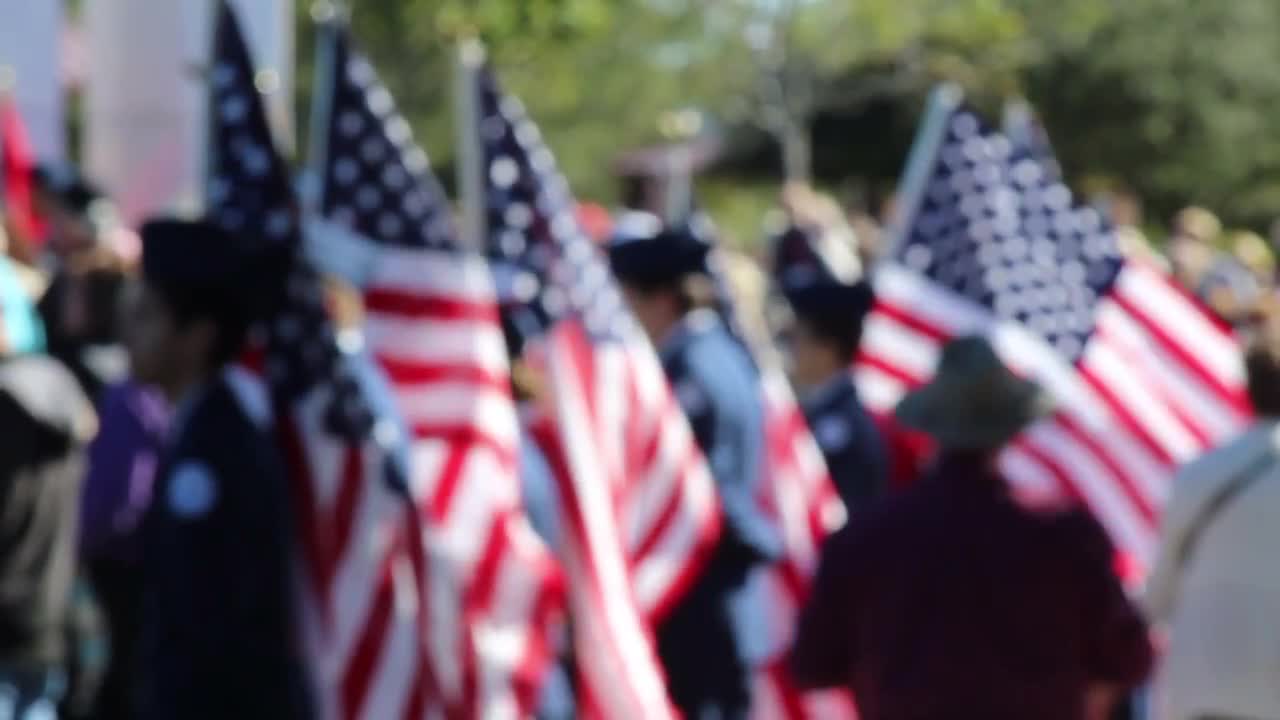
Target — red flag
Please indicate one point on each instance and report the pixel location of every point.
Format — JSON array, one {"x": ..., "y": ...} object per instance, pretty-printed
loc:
[{"x": 17, "y": 164}]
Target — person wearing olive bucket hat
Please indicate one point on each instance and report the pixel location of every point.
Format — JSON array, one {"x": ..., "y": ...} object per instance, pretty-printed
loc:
[{"x": 952, "y": 599}]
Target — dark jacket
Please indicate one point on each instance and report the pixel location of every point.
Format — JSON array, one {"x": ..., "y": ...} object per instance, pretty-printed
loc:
[
  {"x": 952, "y": 601},
  {"x": 45, "y": 424},
  {"x": 218, "y": 639},
  {"x": 851, "y": 444}
]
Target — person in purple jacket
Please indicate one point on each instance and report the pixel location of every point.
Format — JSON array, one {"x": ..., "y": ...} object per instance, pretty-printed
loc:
[{"x": 117, "y": 493}]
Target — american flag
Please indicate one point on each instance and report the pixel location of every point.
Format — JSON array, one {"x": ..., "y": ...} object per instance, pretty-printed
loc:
[
  {"x": 637, "y": 498},
  {"x": 1143, "y": 377},
  {"x": 1023, "y": 128},
  {"x": 431, "y": 321},
  {"x": 357, "y": 555},
  {"x": 801, "y": 498}
]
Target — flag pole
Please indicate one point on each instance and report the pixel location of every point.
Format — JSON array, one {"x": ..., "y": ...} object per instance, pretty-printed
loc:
[
  {"x": 470, "y": 156},
  {"x": 204, "y": 158},
  {"x": 1017, "y": 118},
  {"x": 327, "y": 15},
  {"x": 942, "y": 102},
  {"x": 679, "y": 184}
]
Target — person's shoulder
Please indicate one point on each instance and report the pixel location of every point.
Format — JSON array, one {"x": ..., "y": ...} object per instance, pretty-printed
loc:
[
  {"x": 47, "y": 391},
  {"x": 704, "y": 332},
  {"x": 1198, "y": 477},
  {"x": 1071, "y": 528},
  {"x": 1233, "y": 452},
  {"x": 221, "y": 423},
  {"x": 873, "y": 534},
  {"x": 842, "y": 425},
  {"x": 715, "y": 354},
  {"x": 34, "y": 368},
  {"x": 221, "y": 457},
  {"x": 873, "y": 523},
  {"x": 1218, "y": 455}
]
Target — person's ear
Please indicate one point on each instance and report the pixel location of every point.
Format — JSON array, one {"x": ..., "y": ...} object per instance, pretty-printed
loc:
[{"x": 201, "y": 336}]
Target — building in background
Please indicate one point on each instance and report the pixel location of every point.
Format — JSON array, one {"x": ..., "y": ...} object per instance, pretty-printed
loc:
[
  {"x": 31, "y": 45},
  {"x": 145, "y": 81}
]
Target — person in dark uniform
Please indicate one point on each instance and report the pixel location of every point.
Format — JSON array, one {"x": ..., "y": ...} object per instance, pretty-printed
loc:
[
  {"x": 822, "y": 343},
  {"x": 217, "y": 641},
  {"x": 705, "y": 643}
]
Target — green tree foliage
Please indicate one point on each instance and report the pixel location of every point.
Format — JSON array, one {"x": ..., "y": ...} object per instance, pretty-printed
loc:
[{"x": 1175, "y": 99}]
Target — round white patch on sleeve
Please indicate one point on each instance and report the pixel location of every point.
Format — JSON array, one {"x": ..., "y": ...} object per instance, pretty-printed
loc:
[
  {"x": 833, "y": 433},
  {"x": 193, "y": 490}
]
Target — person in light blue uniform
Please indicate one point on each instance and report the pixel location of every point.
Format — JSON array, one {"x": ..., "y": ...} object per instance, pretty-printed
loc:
[{"x": 705, "y": 643}]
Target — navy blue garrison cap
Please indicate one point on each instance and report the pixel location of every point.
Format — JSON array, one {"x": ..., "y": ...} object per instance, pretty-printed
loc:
[
  {"x": 198, "y": 256},
  {"x": 644, "y": 250}
]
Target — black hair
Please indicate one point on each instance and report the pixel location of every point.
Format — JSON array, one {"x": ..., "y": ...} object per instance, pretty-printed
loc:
[
  {"x": 647, "y": 285},
  {"x": 232, "y": 321},
  {"x": 692, "y": 290},
  {"x": 841, "y": 330}
]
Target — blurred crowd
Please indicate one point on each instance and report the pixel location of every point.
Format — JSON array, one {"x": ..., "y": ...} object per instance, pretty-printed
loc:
[
  {"x": 83, "y": 439},
  {"x": 70, "y": 598}
]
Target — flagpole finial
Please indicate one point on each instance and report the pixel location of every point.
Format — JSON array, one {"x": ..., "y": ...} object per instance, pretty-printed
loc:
[
  {"x": 328, "y": 11},
  {"x": 948, "y": 95},
  {"x": 1017, "y": 111},
  {"x": 470, "y": 155},
  {"x": 471, "y": 52}
]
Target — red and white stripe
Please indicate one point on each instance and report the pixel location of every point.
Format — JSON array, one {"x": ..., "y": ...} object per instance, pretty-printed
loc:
[
  {"x": 639, "y": 510},
  {"x": 487, "y": 587},
  {"x": 802, "y": 500},
  {"x": 360, "y": 605},
  {"x": 1159, "y": 382}
]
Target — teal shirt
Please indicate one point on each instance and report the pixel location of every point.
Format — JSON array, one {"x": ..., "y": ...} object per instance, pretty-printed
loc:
[{"x": 23, "y": 329}]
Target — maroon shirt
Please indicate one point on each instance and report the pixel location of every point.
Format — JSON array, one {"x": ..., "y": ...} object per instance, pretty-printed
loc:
[{"x": 952, "y": 601}]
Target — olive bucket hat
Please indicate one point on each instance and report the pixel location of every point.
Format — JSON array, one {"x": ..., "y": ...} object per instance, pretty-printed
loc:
[{"x": 973, "y": 402}]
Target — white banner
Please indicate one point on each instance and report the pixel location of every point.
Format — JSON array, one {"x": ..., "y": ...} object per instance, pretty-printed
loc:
[
  {"x": 145, "y": 93},
  {"x": 30, "y": 48}
]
